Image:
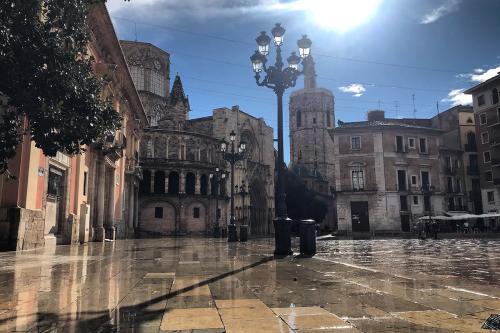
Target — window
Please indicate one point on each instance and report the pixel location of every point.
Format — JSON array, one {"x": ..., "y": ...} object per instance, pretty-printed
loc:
[
  {"x": 424, "y": 176},
  {"x": 457, "y": 164},
  {"x": 415, "y": 200},
  {"x": 485, "y": 137},
  {"x": 411, "y": 143},
  {"x": 299, "y": 119},
  {"x": 483, "y": 120},
  {"x": 157, "y": 84},
  {"x": 158, "y": 212},
  {"x": 403, "y": 203},
  {"x": 402, "y": 180},
  {"x": 494, "y": 96},
  {"x": 486, "y": 157},
  {"x": 470, "y": 121},
  {"x": 355, "y": 143},
  {"x": 358, "y": 178},
  {"x": 149, "y": 149},
  {"x": 488, "y": 175},
  {"x": 314, "y": 120},
  {"x": 491, "y": 196},
  {"x": 459, "y": 203},
  {"x": 399, "y": 144},
  {"x": 458, "y": 188},
  {"x": 423, "y": 145},
  {"x": 137, "y": 74},
  {"x": 85, "y": 183},
  {"x": 480, "y": 100},
  {"x": 414, "y": 180},
  {"x": 450, "y": 184},
  {"x": 196, "y": 212}
]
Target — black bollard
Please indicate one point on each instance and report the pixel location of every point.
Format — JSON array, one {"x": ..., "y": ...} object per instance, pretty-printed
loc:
[
  {"x": 308, "y": 237},
  {"x": 243, "y": 233}
]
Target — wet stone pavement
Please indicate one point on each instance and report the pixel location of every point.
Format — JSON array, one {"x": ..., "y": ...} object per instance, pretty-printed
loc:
[{"x": 207, "y": 285}]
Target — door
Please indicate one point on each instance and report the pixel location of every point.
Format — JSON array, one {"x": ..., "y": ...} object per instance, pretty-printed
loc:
[
  {"x": 359, "y": 216},
  {"x": 401, "y": 180},
  {"x": 405, "y": 222},
  {"x": 54, "y": 203}
]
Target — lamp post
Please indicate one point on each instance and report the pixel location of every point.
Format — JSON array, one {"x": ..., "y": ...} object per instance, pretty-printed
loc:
[
  {"x": 279, "y": 79},
  {"x": 232, "y": 157},
  {"x": 217, "y": 177}
]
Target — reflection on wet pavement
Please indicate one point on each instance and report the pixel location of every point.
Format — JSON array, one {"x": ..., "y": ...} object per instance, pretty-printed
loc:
[{"x": 207, "y": 285}]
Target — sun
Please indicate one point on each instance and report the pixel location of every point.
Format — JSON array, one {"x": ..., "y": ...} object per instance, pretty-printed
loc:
[{"x": 341, "y": 15}]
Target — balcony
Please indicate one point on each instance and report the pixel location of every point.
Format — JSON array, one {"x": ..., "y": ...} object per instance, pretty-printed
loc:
[
  {"x": 472, "y": 171},
  {"x": 470, "y": 147},
  {"x": 496, "y": 181},
  {"x": 495, "y": 142}
]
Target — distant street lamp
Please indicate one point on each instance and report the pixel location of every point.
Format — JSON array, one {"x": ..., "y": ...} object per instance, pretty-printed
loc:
[
  {"x": 232, "y": 157},
  {"x": 218, "y": 176},
  {"x": 279, "y": 79}
]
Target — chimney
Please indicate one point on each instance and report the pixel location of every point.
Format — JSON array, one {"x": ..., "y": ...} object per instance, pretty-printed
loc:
[{"x": 375, "y": 115}]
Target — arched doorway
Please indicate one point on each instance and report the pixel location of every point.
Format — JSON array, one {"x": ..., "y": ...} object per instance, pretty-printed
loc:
[
  {"x": 173, "y": 182},
  {"x": 196, "y": 218},
  {"x": 145, "y": 185},
  {"x": 259, "y": 224},
  {"x": 157, "y": 217},
  {"x": 190, "y": 183},
  {"x": 159, "y": 184},
  {"x": 203, "y": 185}
]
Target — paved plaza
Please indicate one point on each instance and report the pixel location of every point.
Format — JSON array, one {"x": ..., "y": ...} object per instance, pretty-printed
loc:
[{"x": 207, "y": 285}]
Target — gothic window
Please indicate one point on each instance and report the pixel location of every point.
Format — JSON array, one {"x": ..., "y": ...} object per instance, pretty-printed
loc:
[
  {"x": 145, "y": 185},
  {"x": 159, "y": 183},
  {"x": 299, "y": 119},
  {"x": 358, "y": 177},
  {"x": 155, "y": 115},
  {"x": 157, "y": 83},
  {"x": 137, "y": 74}
]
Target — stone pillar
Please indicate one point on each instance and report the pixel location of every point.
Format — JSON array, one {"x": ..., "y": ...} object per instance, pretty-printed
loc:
[
  {"x": 131, "y": 208},
  {"x": 110, "y": 225},
  {"x": 197, "y": 183},
  {"x": 152, "y": 188},
  {"x": 182, "y": 183},
  {"x": 101, "y": 188},
  {"x": 136, "y": 207}
]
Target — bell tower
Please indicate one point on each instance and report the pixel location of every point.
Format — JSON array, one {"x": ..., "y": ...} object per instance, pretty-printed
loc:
[{"x": 311, "y": 112}]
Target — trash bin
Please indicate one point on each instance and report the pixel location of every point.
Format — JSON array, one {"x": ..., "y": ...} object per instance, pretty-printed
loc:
[
  {"x": 308, "y": 237},
  {"x": 243, "y": 233}
]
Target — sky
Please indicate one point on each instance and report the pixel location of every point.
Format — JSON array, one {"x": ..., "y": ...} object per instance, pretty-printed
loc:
[{"x": 407, "y": 57}]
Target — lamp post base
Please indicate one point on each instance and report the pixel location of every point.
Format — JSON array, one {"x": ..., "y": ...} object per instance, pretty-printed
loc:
[
  {"x": 282, "y": 236},
  {"x": 232, "y": 235}
]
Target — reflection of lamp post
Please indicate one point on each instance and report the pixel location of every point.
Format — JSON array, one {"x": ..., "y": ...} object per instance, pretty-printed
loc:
[
  {"x": 243, "y": 192},
  {"x": 279, "y": 79},
  {"x": 232, "y": 157},
  {"x": 217, "y": 176}
]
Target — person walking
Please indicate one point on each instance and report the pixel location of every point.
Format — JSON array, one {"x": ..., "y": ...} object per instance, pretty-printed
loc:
[{"x": 435, "y": 228}]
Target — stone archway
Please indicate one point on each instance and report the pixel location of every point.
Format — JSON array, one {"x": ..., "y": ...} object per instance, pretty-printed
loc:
[
  {"x": 157, "y": 217},
  {"x": 196, "y": 218},
  {"x": 259, "y": 210}
]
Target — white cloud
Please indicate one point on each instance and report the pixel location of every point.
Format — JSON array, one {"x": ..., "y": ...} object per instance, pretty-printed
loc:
[
  {"x": 355, "y": 88},
  {"x": 457, "y": 97},
  {"x": 480, "y": 75},
  {"x": 447, "y": 7}
]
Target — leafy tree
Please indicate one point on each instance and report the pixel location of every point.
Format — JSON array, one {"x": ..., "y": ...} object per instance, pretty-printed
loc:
[
  {"x": 47, "y": 84},
  {"x": 301, "y": 202}
]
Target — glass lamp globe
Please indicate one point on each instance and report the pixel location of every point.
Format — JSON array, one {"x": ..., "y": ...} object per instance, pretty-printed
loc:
[
  {"x": 293, "y": 61},
  {"x": 304, "y": 45},
  {"x": 263, "y": 42},
  {"x": 278, "y": 31}
]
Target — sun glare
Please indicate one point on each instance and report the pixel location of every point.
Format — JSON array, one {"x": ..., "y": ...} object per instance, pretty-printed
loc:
[{"x": 341, "y": 15}]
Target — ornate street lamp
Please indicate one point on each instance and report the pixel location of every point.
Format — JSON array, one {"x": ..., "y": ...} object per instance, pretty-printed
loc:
[
  {"x": 232, "y": 157},
  {"x": 218, "y": 176},
  {"x": 279, "y": 79}
]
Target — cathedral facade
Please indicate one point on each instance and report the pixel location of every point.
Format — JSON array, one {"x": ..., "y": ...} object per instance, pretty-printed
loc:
[{"x": 179, "y": 192}]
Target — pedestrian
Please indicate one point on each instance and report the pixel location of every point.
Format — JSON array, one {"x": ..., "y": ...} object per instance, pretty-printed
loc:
[{"x": 427, "y": 228}]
